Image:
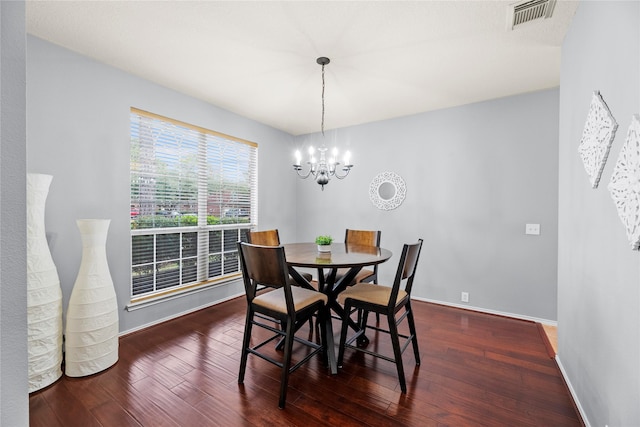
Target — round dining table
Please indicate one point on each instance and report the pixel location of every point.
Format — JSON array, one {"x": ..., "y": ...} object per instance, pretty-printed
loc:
[{"x": 341, "y": 256}]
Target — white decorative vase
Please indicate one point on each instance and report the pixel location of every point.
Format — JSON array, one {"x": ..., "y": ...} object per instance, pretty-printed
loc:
[
  {"x": 91, "y": 339},
  {"x": 44, "y": 296}
]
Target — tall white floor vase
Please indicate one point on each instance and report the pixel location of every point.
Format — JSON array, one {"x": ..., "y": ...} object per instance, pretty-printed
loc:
[
  {"x": 91, "y": 343},
  {"x": 44, "y": 296}
]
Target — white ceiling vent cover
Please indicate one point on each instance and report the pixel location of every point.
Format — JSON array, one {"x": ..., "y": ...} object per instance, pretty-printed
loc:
[{"x": 527, "y": 11}]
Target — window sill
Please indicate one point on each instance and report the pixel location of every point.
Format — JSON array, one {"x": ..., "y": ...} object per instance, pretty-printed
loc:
[{"x": 149, "y": 300}]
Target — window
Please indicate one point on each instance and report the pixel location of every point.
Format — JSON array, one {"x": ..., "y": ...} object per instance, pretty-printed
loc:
[{"x": 193, "y": 197}]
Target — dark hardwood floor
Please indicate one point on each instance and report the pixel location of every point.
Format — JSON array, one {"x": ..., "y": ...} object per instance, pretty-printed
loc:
[{"x": 476, "y": 370}]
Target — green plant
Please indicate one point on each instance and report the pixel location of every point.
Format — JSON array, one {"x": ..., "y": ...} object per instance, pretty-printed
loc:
[
  {"x": 160, "y": 221},
  {"x": 324, "y": 240}
]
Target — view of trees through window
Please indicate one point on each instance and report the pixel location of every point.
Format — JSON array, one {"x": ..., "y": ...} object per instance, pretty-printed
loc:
[{"x": 193, "y": 197}]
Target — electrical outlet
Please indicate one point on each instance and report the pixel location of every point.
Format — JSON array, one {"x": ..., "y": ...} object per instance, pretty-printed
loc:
[
  {"x": 532, "y": 229},
  {"x": 464, "y": 297}
]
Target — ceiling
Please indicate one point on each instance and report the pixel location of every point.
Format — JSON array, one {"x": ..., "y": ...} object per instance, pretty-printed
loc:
[{"x": 258, "y": 59}]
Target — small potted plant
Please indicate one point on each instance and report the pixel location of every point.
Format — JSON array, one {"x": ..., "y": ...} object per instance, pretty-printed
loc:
[{"x": 324, "y": 243}]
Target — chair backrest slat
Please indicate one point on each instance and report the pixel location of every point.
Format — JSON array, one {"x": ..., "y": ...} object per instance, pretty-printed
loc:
[
  {"x": 264, "y": 266},
  {"x": 406, "y": 270},
  {"x": 362, "y": 237},
  {"x": 264, "y": 238}
]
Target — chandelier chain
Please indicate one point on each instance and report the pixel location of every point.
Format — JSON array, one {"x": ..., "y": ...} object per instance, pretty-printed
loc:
[{"x": 322, "y": 121}]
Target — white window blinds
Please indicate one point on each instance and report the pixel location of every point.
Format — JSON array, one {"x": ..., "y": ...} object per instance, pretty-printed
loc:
[{"x": 193, "y": 196}]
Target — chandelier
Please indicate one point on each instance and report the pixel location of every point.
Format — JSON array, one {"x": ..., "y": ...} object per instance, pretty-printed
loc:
[{"x": 323, "y": 169}]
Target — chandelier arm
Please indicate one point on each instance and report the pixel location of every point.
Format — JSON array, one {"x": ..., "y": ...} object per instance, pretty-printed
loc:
[
  {"x": 346, "y": 170},
  {"x": 298, "y": 168}
]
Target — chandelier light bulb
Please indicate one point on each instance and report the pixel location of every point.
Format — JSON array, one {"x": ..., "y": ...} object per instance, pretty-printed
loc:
[
  {"x": 298, "y": 158},
  {"x": 347, "y": 158}
]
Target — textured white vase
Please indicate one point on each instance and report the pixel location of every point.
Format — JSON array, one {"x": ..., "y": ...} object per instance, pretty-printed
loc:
[
  {"x": 44, "y": 296},
  {"x": 91, "y": 339}
]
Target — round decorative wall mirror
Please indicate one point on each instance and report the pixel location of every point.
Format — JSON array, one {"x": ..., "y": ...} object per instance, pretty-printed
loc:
[{"x": 387, "y": 191}]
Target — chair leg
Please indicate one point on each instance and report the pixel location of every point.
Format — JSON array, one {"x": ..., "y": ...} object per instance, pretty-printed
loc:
[
  {"x": 280, "y": 343},
  {"x": 374, "y": 280},
  {"x": 360, "y": 317},
  {"x": 322, "y": 334},
  {"x": 363, "y": 318},
  {"x": 245, "y": 344},
  {"x": 343, "y": 335},
  {"x": 395, "y": 342},
  {"x": 286, "y": 362},
  {"x": 311, "y": 323},
  {"x": 412, "y": 332},
  {"x": 362, "y": 323}
]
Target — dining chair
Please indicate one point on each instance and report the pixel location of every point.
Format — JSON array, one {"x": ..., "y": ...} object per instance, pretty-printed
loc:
[
  {"x": 364, "y": 238},
  {"x": 271, "y": 238},
  {"x": 287, "y": 304},
  {"x": 387, "y": 301}
]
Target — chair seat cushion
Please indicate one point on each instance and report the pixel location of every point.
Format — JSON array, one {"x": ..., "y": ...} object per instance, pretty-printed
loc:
[
  {"x": 302, "y": 298},
  {"x": 308, "y": 277},
  {"x": 371, "y": 293},
  {"x": 360, "y": 277}
]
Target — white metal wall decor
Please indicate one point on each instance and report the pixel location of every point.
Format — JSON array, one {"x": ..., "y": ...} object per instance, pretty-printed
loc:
[
  {"x": 625, "y": 183},
  {"x": 597, "y": 136},
  {"x": 387, "y": 191}
]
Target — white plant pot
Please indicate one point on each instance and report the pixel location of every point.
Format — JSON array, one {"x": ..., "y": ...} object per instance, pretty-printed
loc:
[
  {"x": 324, "y": 248},
  {"x": 92, "y": 316},
  {"x": 44, "y": 296}
]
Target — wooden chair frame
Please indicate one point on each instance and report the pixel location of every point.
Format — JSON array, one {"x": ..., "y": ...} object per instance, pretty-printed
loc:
[
  {"x": 365, "y": 237},
  {"x": 405, "y": 273},
  {"x": 271, "y": 238},
  {"x": 266, "y": 266}
]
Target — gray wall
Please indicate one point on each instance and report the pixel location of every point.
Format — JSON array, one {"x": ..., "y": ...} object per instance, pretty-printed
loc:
[
  {"x": 475, "y": 175},
  {"x": 14, "y": 405},
  {"x": 78, "y": 131},
  {"x": 598, "y": 273}
]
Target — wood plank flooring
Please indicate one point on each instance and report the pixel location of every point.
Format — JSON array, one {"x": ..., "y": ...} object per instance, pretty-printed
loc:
[
  {"x": 552, "y": 336},
  {"x": 477, "y": 370}
]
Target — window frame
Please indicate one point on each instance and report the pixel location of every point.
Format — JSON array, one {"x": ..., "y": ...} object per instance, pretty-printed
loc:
[{"x": 202, "y": 229}]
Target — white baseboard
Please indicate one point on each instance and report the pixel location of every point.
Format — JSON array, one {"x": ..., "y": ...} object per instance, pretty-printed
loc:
[
  {"x": 176, "y": 315},
  {"x": 573, "y": 392},
  {"x": 489, "y": 311}
]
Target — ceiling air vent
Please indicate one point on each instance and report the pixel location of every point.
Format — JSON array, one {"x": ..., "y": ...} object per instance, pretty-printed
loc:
[{"x": 527, "y": 11}]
